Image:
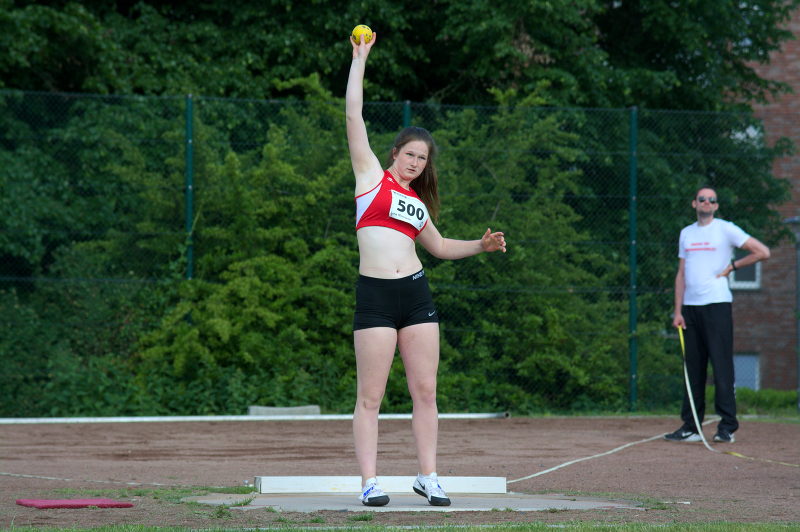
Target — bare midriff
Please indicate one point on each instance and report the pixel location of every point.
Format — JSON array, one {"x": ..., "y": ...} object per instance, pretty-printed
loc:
[{"x": 386, "y": 253}]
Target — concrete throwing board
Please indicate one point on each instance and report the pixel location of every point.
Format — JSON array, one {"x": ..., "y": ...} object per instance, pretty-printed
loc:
[{"x": 352, "y": 484}]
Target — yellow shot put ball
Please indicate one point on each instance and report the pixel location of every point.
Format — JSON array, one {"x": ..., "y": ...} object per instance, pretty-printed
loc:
[{"x": 360, "y": 30}]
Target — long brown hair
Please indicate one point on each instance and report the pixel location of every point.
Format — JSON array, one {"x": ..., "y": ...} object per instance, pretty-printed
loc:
[{"x": 427, "y": 184}]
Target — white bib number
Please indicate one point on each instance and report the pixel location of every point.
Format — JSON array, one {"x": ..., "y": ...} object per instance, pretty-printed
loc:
[{"x": 408, "y": 209}]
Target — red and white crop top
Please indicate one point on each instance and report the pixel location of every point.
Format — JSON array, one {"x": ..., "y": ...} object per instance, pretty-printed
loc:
[{"x": 390, "y": 205}]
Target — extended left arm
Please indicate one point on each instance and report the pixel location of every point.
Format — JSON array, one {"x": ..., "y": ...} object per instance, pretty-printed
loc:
[{"x": 447, "y": 248}]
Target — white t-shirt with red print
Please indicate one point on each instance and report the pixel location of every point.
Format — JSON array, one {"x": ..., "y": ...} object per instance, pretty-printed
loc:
[{"x": 707, "y": 250}]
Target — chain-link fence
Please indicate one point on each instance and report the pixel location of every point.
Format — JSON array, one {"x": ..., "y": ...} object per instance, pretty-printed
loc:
[{"x": 190, "y": 255}]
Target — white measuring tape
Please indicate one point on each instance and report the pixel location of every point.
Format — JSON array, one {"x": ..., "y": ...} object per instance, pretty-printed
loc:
[{"x": 697, "y": 423}]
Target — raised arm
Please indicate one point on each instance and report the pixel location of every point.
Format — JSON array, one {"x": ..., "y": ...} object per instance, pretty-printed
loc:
[{"x": 366, "y": 166}]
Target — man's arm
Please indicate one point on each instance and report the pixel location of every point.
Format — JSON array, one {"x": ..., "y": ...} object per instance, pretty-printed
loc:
[
  {"x": 758, "y": 252},
  {"x": 680, "y": 288}
]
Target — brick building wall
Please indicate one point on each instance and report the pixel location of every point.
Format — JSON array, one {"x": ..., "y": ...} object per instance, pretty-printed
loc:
[{"x": 765, "y": 319}]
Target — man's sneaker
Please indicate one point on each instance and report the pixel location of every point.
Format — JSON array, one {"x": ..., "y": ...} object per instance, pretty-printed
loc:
[
  {"x": 723, "y": 436},
  {"x": 428, "y": 487},
  {"x": 682, "y": 435},
  {"x": 372, "y": 494}
]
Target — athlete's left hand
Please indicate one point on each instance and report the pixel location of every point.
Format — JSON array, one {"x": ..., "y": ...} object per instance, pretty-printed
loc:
[{"x": 493, "y": 241}]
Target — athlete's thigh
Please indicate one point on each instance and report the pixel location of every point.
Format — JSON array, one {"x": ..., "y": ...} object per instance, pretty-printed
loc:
[
  {"x": 419, "y": 349},
  {"x": 374, "y": 349}
]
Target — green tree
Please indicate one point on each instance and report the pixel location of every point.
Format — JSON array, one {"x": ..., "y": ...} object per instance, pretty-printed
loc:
[
  {"x": 692, "y": 55},
  {"x": 61, "y": 48},
  {"x": 523, "y": 321},
  {"x": 598, "y": 53}
]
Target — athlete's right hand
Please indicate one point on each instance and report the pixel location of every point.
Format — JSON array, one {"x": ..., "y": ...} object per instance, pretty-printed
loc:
[{"x": 361, "y": 49}]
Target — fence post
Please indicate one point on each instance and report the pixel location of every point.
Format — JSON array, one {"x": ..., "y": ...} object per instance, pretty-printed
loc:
[
  {"x": 189, "y": 187},
  {"x": 632, "y": 321},
  {"x": 406, "y": 113}
]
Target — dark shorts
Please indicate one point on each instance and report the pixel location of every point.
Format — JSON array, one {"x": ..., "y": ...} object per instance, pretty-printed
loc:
[{"x": 394, "y": 303}]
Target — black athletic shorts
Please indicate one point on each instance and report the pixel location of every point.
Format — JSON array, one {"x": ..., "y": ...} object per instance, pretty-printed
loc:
[{"x": 394, "y": 303}]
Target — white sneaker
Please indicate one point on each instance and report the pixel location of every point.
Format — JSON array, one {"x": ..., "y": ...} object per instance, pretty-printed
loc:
[
  {"x": 429, "y": 488},
  {"x": 372, "y": 494}
]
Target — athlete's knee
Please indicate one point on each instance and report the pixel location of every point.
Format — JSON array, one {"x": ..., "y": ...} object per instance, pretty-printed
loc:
[
  {"x": 369, "y": 403},
  {"x": 424, "y": 395}
]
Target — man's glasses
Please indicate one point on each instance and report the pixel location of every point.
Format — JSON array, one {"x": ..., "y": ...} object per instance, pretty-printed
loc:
[{"x": 701, "y": 199}]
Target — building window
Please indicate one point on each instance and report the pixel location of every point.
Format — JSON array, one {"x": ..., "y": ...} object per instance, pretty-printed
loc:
[
  {"x": 747, "y": 278},
  {"x": 747, "y": 371}
]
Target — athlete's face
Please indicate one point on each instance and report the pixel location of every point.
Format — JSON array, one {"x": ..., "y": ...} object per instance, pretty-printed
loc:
[{"x": 410, "y": 160}]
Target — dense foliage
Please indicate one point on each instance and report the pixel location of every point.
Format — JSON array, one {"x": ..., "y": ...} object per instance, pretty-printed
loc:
[
  {"x": 661, "y": 54},
  {"x": 98, "y": 317}
]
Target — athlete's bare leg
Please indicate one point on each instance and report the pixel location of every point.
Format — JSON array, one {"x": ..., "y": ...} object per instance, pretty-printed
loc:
[
  {"x": 419, "y": 348},
  {"x": 375, "y": 348}
]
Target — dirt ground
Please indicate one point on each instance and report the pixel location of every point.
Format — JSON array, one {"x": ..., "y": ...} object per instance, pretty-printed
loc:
[{"x": 154, "y": 464}]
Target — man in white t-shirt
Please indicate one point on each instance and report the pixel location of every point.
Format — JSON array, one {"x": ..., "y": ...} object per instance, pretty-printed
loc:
[{"x": 703, "y": 309}]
